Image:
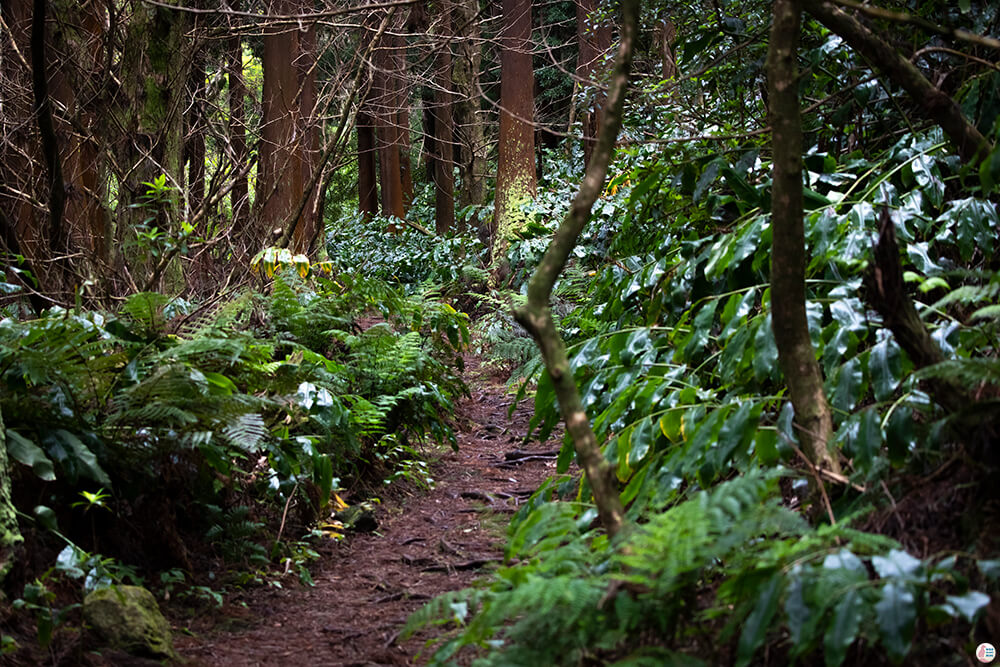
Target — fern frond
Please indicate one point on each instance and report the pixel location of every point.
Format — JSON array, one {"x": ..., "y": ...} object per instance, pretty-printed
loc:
[
  {"x": 246, "y": 431},
  {"x": 964, "y": 372}
]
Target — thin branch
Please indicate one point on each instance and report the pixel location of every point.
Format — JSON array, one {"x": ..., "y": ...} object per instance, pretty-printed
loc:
[{"x": 536, "y": 315}]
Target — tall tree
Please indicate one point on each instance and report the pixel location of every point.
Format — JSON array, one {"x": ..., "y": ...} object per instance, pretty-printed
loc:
[
  {"x": 150, "y": 112},
  {"x": 516, "y": 181},
  {"x": 239, "y": 195},
  {"x": 594, "y": 39},
  {"x": 788, "y": 282},
  {"x": 444, "y": 174},
  {"x": 289, "y": 143},
  {"x": 470, "y": 143},
  {"x": 386, "y": 93}
]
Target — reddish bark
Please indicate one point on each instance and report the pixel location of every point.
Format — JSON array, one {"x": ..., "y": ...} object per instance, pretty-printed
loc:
[{"x": 516, "y": 156}]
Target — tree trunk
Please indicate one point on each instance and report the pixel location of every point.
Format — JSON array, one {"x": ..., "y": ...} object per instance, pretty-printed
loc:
[
  {"x": 367, "y": 187},
  {"x": 444, "y": 175},
  {"x": 516, "y": 182},
  {"x": 195, "y": 140},
  {"x": 972, "y": 146},
  {"x": 469, "y": 136},
  {"x": 594, "y": 41},
  {"x": 536, "y": 316},
  {"x": 239, "y": 196},
  {"x": 154, "y": 82},
  {"x": 19, "y": 169},
  {"x": 279, "y": 171},
  {"x": 308, "y": 149},
  {"x": 385, "y": 91},
  {"x": 76, "y": 70},
  {"x": 788, "y": 294}
]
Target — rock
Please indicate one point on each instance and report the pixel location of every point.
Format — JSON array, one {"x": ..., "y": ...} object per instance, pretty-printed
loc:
[
  {"x": 358, "y": 518},
  {"x": 128, "y": 618}
]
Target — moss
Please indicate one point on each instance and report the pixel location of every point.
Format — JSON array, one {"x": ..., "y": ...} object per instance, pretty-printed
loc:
[{"x": 128, "y": 618}]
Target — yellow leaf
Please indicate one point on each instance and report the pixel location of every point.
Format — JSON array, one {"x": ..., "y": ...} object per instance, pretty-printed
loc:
[{"x": 338, "y": 503}]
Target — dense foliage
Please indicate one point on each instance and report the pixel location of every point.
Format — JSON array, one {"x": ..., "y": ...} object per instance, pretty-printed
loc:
[{"x": 202, "y": 445}]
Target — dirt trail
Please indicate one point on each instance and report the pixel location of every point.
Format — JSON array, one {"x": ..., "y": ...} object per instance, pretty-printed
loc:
[{"x": 368, "y": 584}]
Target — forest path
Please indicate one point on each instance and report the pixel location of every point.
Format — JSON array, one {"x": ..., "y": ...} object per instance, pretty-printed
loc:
[{"x": 428, "y": 543}]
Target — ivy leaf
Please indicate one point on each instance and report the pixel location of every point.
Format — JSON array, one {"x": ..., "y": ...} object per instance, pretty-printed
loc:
[
  {"x": 843, "y": 628},
  {"x": 896, "y": 614}
]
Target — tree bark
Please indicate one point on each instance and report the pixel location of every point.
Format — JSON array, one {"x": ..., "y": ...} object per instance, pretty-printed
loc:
[
  {"x": 536, "y": 315},
  {"x": 43, "y": 116},
  {"x": 444, "y": 175},
  {"x": 469, "y": 136},
  {"x": 972, "y": 146},
  {"x": 788, "y": 295},
  {"x": 155, "y": 66},
  {"x": 516, "y": 181},
  {"x": 594, "y": 40},
  {"x": 385, "y": 91},
  {"x": 239, "y": 196},
  {"x": 367, "y": 184}
]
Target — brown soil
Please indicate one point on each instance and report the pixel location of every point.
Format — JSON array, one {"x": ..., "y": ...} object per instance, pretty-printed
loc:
[{"x": 428, "y": 543}]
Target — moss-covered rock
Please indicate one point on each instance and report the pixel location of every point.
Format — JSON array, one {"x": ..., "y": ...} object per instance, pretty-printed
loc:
[{"x": 128, "y": 618}]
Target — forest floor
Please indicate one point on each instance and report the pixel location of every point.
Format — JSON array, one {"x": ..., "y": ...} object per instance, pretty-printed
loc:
[{"x": 427, "y": 543}]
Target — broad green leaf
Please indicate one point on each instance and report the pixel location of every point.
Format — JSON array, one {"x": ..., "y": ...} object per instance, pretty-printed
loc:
[
  {"x": 46, "y": 517},
  {"x": 700, "y": 329},
  {"x": 83, "y": 457},
  {"x": 765, "y": 360},
  {"x": 899, "y": 437},
  {"x": 27, "y": 452},
  {"x": 885, "y": 368},
  {"x": 737, "y": 431},
  {"x": 706, "y": 179},
  {"x": 758, "y": 622},
  {"x": 737, "y": 308},
  {"x": 850, "y": 313},
  {"x": 847, "y": 391},
  {"x": 970, "y": 224},
  {"x": 671, "y": 425},
  {"x": 843, "y": 628},
  {"x": 897, "y": 563},
  {"x": 869, "y": 439},
  {"x": 219, "y": 384},
  {"x": 850, "y": 568},
  {"x": 896, "y": 614},
  {"x": 766, "y": 446},
  {"x": 641, "y": 441},
  {"x": 969, "y": 605}
]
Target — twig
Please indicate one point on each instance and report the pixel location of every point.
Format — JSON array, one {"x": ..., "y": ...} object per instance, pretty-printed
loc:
[{"x": 284, "y": 514}]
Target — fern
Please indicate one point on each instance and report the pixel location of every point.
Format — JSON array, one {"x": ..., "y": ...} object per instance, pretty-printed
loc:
[{"x": 726, "y": 556}]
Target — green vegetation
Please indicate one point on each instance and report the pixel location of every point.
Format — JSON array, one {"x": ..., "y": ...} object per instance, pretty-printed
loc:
[{"x": 198, "y": 443}]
